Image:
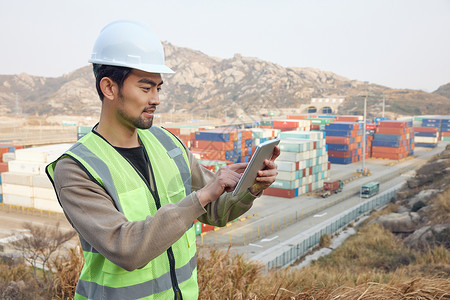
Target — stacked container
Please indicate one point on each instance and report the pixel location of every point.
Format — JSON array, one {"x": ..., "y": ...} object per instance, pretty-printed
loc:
[
  {"x": 445, "y": 130},
  {"x": 426, "y": 136},
  {"x": 302, "y": 165},
  {"x": 26, "y": 184},
  {"x": 344, "y": 142},
  {"x": 441, "y": 123},
  {"x": 225, "y": 144},
  {"x": 261, "y": 135},
  {"x": 393, "y": 140}
]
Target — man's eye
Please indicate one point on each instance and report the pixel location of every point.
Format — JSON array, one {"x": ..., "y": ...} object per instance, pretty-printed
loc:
[
  {"x": 146, "y": 89},
  {"x": 159, "y": 89}
]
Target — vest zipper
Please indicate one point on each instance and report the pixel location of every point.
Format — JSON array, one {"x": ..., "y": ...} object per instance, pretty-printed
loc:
[{"x": 170, "y": 256}]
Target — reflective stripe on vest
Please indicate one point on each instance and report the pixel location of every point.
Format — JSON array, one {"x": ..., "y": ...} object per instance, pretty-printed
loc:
[
  {"x": 90, "y": 286},
  {"x": 92, "y": 290}
]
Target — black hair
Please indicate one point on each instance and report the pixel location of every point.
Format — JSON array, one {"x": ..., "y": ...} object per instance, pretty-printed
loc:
[{"x": 115, "y": 73}]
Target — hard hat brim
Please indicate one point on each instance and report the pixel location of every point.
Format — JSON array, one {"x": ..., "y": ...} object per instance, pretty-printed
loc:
[{"x": 150, "y": 68}]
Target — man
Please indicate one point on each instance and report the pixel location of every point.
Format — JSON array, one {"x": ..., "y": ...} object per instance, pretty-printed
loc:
[{"x": 132, "y": 190}]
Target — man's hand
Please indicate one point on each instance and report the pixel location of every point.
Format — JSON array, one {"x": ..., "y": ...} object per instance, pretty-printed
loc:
[
  {"x": 225, "y": 180},
  {"x": 267, "y": 175}
]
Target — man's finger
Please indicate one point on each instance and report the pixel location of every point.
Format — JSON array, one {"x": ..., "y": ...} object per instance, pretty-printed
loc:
[{"x": 238, "y": 167}]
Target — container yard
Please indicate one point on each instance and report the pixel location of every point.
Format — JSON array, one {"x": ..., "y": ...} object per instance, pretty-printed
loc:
[{"x": 310, "y": 146}]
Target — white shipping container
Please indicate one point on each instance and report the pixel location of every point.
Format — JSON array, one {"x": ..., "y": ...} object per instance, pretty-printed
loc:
[
  {"x": 42, "y": 168},
  {"x": 289, "y": 176},
  {"x": 16, "y": 166},
  {"x": 16, "y": 189},
  {"x": 287, "y": 166},
  {"x": 290, "y": 156},
  {"x": 17, "y": 178},
  {"x": 41, "y": 181},
  {"x": 8, "y": 156},
  {"x": 44, "y": 154},
  {"x": 44, "y": 193},
  {"x": 48, "y": 205},
  {"x": 425, "y": 139},
  {"x": 18, "y": 200}
]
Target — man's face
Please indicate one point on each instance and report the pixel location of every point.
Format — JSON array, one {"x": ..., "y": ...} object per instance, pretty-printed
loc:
[{"x": 138, "y": 99}]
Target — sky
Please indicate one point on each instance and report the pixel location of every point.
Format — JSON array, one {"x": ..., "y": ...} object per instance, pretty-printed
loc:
[{"x": 395, "y": 43}]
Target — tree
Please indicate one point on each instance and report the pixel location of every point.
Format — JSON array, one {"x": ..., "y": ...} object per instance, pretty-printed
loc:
[{"x": 39, "y": 246}]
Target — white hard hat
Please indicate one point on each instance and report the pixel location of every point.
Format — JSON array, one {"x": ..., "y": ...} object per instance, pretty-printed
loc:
[{"x": 132, "y": 44}]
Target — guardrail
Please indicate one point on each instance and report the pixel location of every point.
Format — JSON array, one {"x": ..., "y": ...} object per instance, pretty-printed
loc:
[{"x": 312, "y": 238}]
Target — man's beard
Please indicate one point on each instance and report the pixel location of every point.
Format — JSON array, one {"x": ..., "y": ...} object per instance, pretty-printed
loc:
[{"x": 138, "y": 122}]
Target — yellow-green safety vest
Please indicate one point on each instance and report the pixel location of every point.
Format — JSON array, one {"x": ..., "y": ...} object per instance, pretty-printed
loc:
[{"x": 171, "y": 275}]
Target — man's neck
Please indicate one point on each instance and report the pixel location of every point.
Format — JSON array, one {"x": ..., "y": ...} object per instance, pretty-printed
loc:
[{"x": 119, "y": 136}]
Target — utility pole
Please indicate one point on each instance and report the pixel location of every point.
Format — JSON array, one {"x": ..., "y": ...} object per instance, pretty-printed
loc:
[{"x": 363, "y": 171}]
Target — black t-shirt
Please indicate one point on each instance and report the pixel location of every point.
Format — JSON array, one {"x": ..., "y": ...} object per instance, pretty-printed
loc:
[{"x": 137, "y": 158}]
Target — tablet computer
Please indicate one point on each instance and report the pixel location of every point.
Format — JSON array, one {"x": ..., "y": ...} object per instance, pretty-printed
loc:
[{"x": 263, "y": 151}]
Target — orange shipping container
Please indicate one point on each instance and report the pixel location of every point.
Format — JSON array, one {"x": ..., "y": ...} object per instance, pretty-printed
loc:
[{"x": 379, "y": 149}]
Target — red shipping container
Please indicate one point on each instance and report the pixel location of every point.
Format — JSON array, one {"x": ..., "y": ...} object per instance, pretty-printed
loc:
[
  {"x": 393, "y": 124},
  {"x": 206, "y": 227},
  {"x": 337, "y": 140},
  {"x": 286, "y": 124},
  {"x": 341, "y": 154},
  {"x": 390, "y": 130},
  {"x": 347, "y": 118},
  {"x": 279, "y": 192},
  {"x": 301, "y": 117},
  {"x": 175, "y": 131},
  {"x": 371, "y": 126},
  {"x": 445, "y": 133},
  {"x": 315, "y": 127},
  {"x": 379, "y": 149},
  {"x": 425, "y": 129},
  {"x": 393, "y": 156},
  {"x": 212, "y": 145},
  {"x": 310, "y": 187},
  {"x": 3, "y": 167},
  {"x": 358, "y": 139}
]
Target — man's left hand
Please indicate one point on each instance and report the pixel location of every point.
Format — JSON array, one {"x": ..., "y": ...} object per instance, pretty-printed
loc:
[{"x": 267, "y": 175}]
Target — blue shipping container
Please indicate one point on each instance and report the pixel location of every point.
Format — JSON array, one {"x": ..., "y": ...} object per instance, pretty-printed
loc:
[
  {"x": 426, "y": 145},
  {"x": 392, "y": 144},
  {"x": 387, "y": 137},
  {"x": 340, "y": 126},
  {"x": 341, "y": 133},
  {"x": 340, "y": 160},
  {"x": 212, "y": 136},
  {"x": 430, "y": 134}
]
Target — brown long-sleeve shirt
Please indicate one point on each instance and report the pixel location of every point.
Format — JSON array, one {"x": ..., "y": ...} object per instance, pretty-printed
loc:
[{"x": 131, "y": 245}]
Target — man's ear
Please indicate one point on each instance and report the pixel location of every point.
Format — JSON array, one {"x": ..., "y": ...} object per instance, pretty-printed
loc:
[{"x": 109, "y": 88}]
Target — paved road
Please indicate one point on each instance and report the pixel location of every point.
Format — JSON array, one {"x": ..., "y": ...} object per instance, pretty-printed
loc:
[{"x": 277, "y": 220}]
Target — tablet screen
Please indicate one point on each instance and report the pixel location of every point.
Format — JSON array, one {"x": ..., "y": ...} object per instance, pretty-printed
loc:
[{"x": 263, "y": 151}]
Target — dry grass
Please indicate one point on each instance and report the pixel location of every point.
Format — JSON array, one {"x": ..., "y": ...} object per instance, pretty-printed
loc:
[{"x": 372, "y": 264}]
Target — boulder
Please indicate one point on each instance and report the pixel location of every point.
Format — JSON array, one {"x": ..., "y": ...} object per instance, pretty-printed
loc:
[
  {"x": 432, "y": 167},
  {"x": 429, "y": 237},
  {"x": 424, "y": 196},
  {"x": 405, "y": 222}
]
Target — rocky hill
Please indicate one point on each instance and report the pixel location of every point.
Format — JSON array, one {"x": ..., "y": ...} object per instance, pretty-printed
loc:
[
  {"x": 443, "y": 90},
  {"x": 422, "y": 209},
  {"x": 204, "y": 84}
]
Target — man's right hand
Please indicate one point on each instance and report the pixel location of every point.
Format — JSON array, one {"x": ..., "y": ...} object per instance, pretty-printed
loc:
[{"x": 225, "y": 180}]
